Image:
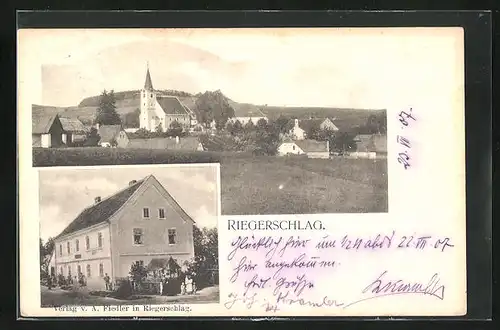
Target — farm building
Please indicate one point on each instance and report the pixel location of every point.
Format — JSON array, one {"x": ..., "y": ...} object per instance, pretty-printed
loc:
[
  {"x": 310, "y": 148},
  {"x": 370, "y": 146},
  {"x": 139, "y": 223},
  {"x": 158, "y": 110},
  {"x": 112, "y": 136},
  {"x": 47, "y": 131},
  {"x": 74, "y": 130},
  {"x": 184, "y": 143}
]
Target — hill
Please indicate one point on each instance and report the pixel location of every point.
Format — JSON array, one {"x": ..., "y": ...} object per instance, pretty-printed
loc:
[{"x": 129, "y": 101}]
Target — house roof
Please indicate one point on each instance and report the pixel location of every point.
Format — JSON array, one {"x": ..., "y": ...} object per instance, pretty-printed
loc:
[
  {"x": 171, "y": 105},
  {"x": 101, "y": 212},
  {"x": 106, "y": 208},
  {"x": 148, "y": 84},
  {"x": 185, "y": 143},
  {"x": 371, "y": 142},
  {"x": 108, "y": 132},
  {"x": 312, "y": 145},
  {"x": 72, "y": 125},
  {"x": 41, "y": 124}
]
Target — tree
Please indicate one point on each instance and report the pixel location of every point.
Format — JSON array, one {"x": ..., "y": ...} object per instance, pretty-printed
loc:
[
  {"x": 206, "y": 255},
  {"x": 213, "y": 106},
  {"x": 344, "y": 142},
  {"x": 262, "y": 124},
  {"x": 106, "y": 112},
  {"x": 159, "y": 128},
  {"x": 313, "y": 131},
  {"x": 249, "y": 127},
  {"x": 174, "y": 129},
  {"x": 138, "y": 273},
  {"x": 283, "y": 124},
  {"x": 92, "y": 138},
  {"x": 45, "y": 255},
  {"x": 132, "y": 119}
]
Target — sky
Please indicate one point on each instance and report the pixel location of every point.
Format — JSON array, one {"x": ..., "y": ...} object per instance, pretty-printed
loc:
[
  {"x": 334, "y": 67},
  {"x": 65, "y": 192}
]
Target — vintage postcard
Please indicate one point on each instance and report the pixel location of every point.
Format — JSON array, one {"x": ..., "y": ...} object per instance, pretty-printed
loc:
[{"x": 242, "y": 172}]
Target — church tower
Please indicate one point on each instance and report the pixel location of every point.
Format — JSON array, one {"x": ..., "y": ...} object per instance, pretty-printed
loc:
[{"x": 148, "y": 104}]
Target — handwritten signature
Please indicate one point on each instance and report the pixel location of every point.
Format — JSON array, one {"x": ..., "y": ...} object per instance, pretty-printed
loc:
[
  {"x": 384, "y": 288},
  {"x": 379, "y": 288}
]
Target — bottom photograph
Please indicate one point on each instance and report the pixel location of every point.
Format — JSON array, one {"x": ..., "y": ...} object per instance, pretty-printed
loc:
[{"x": 129, "y": 235}]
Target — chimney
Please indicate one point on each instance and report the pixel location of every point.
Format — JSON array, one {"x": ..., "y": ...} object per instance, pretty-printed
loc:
[
  {"x": 97, "y": 199},
  {"x": 131, "y": 183},
  {"x": 176, "y": 140}
]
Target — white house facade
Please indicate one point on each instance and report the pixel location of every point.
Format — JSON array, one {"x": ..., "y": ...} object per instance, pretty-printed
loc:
[{"x": 139, "y": 223}]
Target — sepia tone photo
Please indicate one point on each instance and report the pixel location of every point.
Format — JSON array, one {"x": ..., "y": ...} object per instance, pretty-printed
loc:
[
  {"x": 128, "y": 235},
  {"x": 292, "y": 118}
]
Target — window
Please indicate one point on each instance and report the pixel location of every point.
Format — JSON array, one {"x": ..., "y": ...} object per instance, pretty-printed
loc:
[
  {"x": 161, "y": 213},
  {"x": 69, "y": 270},
  {"x": 79, "y": 269},
  {"x": 145, "y": 212},
  {"x": 87, "y": 243},
  {"x": 77, "y": 245},
  {"x": 101, "y": 270},
  {"x": 89, "y": 274},
  {"x": 99, "y": 240},
  {"x": 293, "y": 147},
  {"x": 138, "y": 236},
  {"x": 68, "y": 247},
  {"x": 60, "y": 251},
  {"x": 171, "y": 236}
]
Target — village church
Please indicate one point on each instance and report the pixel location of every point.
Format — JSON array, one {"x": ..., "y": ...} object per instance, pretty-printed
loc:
[{"x": 159, "y": 110}]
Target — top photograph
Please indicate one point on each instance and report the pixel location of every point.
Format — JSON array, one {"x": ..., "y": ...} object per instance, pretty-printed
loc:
[{"x": 295, "y": 117}]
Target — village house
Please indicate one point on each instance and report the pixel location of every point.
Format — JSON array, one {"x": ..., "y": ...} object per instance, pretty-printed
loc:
[
  {"x": 296, "y": 132},
  {"x": 370, "y": 146},
  {"x": 112, "y": 136},
  {"x": 245, "y": 113},
  {"x": 309, "y": 148},
  {"x": 160, "y": 111},
  {"x": 74, "y": 130},
  {"x": 301, "y": 127},
  {"x": 46, "y": 131},
  {"x": 185, "y": 143},
  {"x": 139, "y": 223}
]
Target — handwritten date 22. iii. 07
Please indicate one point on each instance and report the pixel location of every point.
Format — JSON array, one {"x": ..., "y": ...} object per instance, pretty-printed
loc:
[
  {"x": 405, "y": 118},
  {"x": 273, "y": 272}
]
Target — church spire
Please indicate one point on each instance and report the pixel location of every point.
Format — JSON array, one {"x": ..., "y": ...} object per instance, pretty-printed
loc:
[{"x": 148, "y": 85}]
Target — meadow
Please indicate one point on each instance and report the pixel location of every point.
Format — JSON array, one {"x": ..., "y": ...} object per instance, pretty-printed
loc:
[{"x": 259, "y": 184}]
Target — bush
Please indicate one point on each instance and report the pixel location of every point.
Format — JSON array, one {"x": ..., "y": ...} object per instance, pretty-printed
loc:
[
  {"x": 124, "y": 290},
  {"x": 173, "y": 287}
]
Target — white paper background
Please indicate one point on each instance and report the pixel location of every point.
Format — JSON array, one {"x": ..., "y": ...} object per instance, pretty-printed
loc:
[{"x": 428, "y": 198}]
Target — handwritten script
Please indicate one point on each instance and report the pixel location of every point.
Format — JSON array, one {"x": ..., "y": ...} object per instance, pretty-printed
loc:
[
  {"x": 270, "y": 272},
  {"x": 405, "y": 118}
]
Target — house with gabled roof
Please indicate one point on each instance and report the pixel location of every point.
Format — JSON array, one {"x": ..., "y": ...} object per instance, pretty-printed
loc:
[
  {"x": 112, "y": 136},
  {"x": 159, "y": 110},
  {"x": 46, "y": 131},
  {"x": 370, "y": 146},
  {"x": 74, "y": 130},
  {"x": 138, "y": 223}
]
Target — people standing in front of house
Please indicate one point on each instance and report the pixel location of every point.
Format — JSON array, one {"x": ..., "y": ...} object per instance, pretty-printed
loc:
[{"x": 107, "y": 282}]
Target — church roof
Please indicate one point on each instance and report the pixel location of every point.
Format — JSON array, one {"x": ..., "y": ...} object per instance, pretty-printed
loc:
[
  {"x": 148, "y": 85},
  {"x": 171, "y": 105}
]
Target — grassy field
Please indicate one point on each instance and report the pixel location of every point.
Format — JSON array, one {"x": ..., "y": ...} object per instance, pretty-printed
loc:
[{"x": 259, "y": 185}]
